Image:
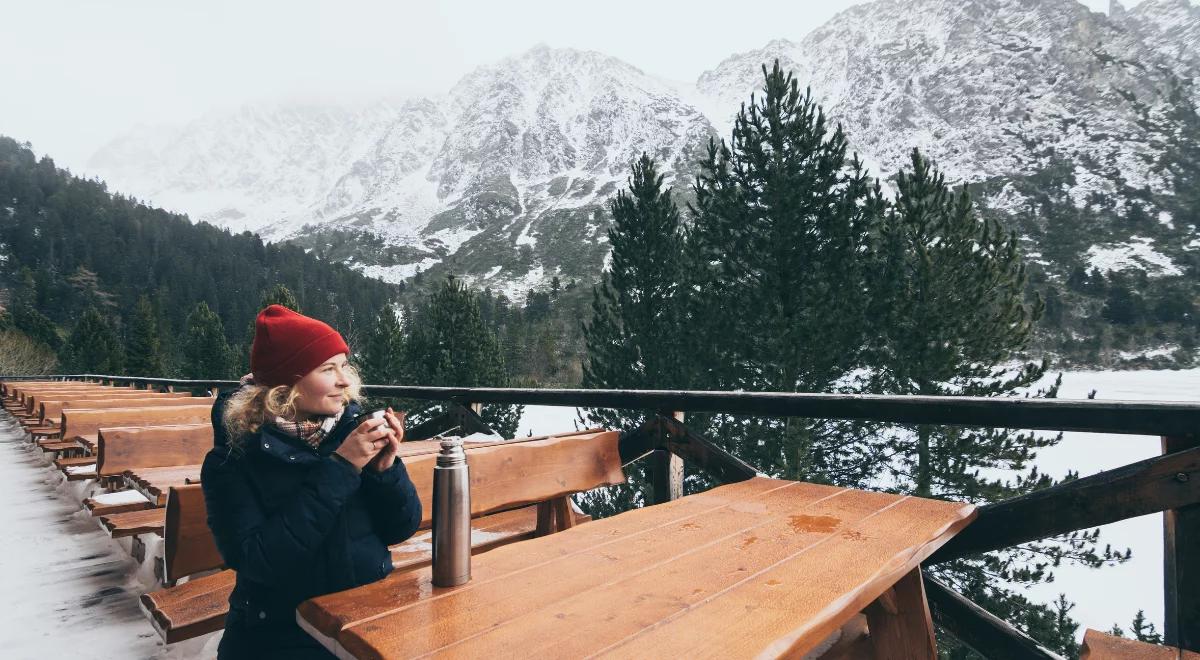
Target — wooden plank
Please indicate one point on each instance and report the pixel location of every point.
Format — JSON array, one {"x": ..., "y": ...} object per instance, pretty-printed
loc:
[
  {"x": 666, "y": 468},
  {"x": 52, "y": 409},
  {"x": 666, "y": 476},
  {"x": 189, "y": 546},
  {"x": 1133, "y": 417},
  {"x": 131, "y": 523},
  {"x": 1181, "y": 540},
  {"x": 155, "y": 482},
  {"x": 900, "y": 624},
  {"x": 199, "y": 605},
  {"x": 1102, "y": 646},
  {"x": 734, "y": 579},
  {"x": 980, "y": 630},
  {"x": 328, "y": 615},
  {"x": 1147, "y": 486},
  {"x": 701, "y": 451},
  {"x": 82, "y": 421},
  {"x": 129, "y": 448},
  {"x": 189, "y": 610},
  {"x": 74, "y": 461},
  {"x": 104, "y": 504},
  {"x": 29, "y": 399},
  {"x": 510, "y": 475}
]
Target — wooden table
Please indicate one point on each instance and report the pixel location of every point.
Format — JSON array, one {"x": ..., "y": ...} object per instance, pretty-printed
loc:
[
  {"x": 761, "y": 567},
  {"x": 154, "y": 483}
]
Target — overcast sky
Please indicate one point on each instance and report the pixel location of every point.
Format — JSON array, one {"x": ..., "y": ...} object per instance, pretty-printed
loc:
[{"x": 77, "y": 73}]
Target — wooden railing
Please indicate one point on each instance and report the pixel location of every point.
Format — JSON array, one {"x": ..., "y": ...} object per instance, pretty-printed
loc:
[{"x": 1169, "y": 483}]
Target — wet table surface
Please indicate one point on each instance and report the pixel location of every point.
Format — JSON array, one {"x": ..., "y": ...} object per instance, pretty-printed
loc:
[{"x": 758, "y": 567}]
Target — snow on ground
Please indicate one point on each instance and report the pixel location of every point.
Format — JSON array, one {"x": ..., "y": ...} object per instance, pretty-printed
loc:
[
  {"x": 1137, "y": 253},
  {"x": 69, "y": 591}
]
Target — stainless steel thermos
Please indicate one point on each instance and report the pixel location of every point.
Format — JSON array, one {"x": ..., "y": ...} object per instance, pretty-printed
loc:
[{"x": 451, "y": 516}]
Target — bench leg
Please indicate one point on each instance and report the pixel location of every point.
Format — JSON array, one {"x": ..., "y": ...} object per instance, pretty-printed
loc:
[
  {"x": 899, "y": 622},
  {"x": 554, "y": 516}
]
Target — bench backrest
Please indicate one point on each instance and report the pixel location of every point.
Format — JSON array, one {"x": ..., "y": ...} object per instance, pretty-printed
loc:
[
  {"x": 51, "y": 410},
  {"x": 124, "y": 448},
  {"x": 503, "y": 476},
  {"x": 81, "y": 421},
  {"x": 29, "y": 398},
  {"x": 23, "y": 394},
  {"x": 9, "y": 388}
]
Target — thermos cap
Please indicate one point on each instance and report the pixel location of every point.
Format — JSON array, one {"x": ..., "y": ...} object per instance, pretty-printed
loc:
[{"x": 452, "y": 453}]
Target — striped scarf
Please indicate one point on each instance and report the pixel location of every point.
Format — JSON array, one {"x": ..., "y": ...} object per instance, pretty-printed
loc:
[{"x": 311, "y": 432}]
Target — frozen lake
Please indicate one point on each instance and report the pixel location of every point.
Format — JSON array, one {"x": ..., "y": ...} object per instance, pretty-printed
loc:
[{"x": 1105, "y": 596}]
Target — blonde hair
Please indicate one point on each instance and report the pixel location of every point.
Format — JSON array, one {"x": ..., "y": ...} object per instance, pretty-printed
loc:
[{"x": 253, "y": 405}]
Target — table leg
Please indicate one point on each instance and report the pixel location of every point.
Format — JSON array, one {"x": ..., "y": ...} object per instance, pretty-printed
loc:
[{"x": 899, "y": 622}]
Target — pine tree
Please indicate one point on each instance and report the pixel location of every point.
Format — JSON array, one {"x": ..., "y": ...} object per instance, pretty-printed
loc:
[
  {"x": 206, "y": 352},
  {"x": 143, "y": 349},
  {"x": 279, "y": 295},
  {"x": 633, "y": 338},
  {"x": 383, "y": 356},
  {"x": 92, "y": 347},
  {"x": 950, "y": 314},
  {"x": 27, "y": 318},
  {"x": 776, "y": 299},
  {"x": 1181, "y": 157},
  {"x": 448, "y": 345}
]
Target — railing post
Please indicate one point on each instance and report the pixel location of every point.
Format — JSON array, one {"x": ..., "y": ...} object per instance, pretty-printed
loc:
[
  {"x": 1181, "y": 563},
  {"x": 666, "y": 471}
]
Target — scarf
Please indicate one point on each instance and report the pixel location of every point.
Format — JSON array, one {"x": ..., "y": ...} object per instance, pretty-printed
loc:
[{"x": 310, "y": 432}]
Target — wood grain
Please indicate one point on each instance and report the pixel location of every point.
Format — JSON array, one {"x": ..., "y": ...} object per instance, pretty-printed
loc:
[
  {"x": 676, "y": 579},
  {"x": 189, "y": 543},
  {"x": 1102, "y": 646},
  {"x": 82, "y": 421},
  {"x": 131, "y": 447},
  {"x": 514, "y": 474},
  {"x": 51, "y": 410}
]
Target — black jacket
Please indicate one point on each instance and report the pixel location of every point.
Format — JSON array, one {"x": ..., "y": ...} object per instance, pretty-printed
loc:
[{"x": 296, "y": 523}]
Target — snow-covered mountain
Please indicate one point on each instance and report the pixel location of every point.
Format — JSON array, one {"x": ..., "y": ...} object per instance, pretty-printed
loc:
[{"x": 504, "y": 178}]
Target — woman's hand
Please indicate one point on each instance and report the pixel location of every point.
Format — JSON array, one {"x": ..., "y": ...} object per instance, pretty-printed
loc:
[
  {"x": 365, "y": 442},
  {"x": 387, "y": 456}
]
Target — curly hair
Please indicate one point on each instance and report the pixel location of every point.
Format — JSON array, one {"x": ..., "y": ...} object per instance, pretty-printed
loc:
[{"x": 253, "y": 405}]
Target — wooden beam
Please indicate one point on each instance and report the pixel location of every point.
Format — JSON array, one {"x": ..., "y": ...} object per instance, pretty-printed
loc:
[
  {"x": 666, "y": 477},
  {"x": 1155, "y": 484},
  {"x": 899, "y": 622},
  {"x": 723, "y": 466},
  {"x": 666, "y": 467},
  {"x": 1181, "y": 555},
  {"x": 1134, "y": 417},
  {"x": 982, "y": 631},
  {"x": 672, "y": 435}
]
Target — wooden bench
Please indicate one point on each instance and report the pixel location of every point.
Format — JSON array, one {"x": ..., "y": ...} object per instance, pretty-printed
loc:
[
  {"x": 132, "y": 523},
  {"x": 28, "y": 399},
  {"x": 77, "y": 422},
  {"x": 1102, "y": 646},
  {"x": 119, "y": 501},
  {"x": 520, "y": 489},
  {"x": 151, "y": 459},
  {"x": 49, "y": 411},
  {"x": 123, "y": 448}
]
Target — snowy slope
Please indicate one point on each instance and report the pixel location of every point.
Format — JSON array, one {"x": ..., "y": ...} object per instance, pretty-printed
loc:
[{"x": 504, "y": 178}]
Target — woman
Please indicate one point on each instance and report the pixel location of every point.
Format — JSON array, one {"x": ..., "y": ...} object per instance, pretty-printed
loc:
[{"x": 300, "y": 501}]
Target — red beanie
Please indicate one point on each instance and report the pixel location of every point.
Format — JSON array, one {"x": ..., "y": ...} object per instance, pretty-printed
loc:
[{"x": 288, "y": 345}]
